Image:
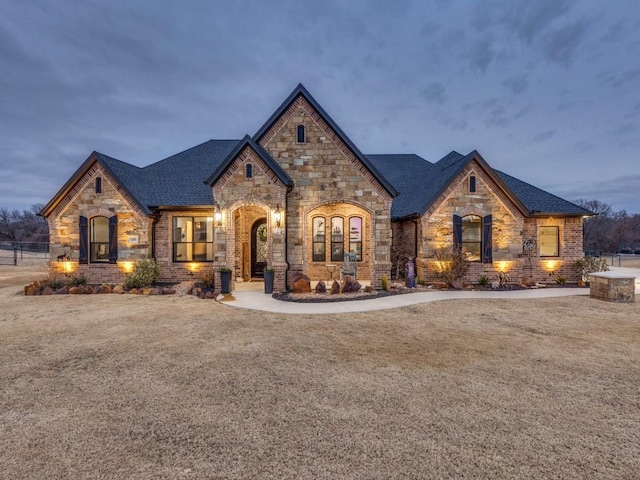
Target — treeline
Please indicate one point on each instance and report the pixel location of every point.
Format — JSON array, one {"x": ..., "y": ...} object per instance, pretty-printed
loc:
[
  {"x": 610, "y": 231},
  {"x": 23, "y": 226}
]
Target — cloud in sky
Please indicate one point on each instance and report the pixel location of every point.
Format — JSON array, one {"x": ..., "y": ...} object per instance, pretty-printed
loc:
[{"x": 540, "y": 88}]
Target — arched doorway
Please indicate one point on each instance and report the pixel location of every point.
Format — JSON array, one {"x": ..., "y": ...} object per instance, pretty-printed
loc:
[{"x": 258, "y": 248}]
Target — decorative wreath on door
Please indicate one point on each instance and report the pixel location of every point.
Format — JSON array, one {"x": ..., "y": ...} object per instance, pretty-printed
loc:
[{"x": 262, "y": 233}]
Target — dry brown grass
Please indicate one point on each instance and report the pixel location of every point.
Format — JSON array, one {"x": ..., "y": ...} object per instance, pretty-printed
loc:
[{"x": 174, "y": 387}]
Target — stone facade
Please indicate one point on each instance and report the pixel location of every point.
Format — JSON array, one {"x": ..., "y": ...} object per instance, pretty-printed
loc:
[
  {"x": 612, "y": 287},
  {"x": 321, "y": 176},
  {"x": 510, "y": 228},
  {"x": 82, "y": 200},
  {"x": 328, "y": 178}
]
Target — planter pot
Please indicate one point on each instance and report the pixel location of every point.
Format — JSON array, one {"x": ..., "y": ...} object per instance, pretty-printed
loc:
[
  {"x": 225, "y": 282},
  {"x": 268, "y": 281}
]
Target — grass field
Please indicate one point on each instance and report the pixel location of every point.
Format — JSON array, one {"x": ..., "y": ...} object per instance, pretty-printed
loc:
[{"x": 125, "y": 386}]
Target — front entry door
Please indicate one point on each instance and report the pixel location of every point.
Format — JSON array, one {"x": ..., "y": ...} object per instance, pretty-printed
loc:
[{"x": 258, "y": 248}]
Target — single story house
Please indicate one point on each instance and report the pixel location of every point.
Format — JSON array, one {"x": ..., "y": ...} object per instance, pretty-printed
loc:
[{"x": 296, "y": 196}]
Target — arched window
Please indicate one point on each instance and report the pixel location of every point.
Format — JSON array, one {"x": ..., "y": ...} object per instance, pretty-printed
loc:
[
  {"x": 248, "y": 171},
  {"x": 472, "y": 237},
  {"x": 99, "y": 243},
  {"x": 301, "y": 134},
  {"x": 472, "y": 184},
  {"x": 355, "y": 237},
  {"x": 318, "y": 240},
  {"x": 99, "y": 185},
  {"x": 337, "y": 239}
]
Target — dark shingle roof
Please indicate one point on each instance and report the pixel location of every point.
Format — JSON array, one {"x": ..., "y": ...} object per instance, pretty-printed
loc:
[
  {"x": 538, "y": 201},
  {"x": 419, "y": 183},
  {"x": 175, "y": 181}
]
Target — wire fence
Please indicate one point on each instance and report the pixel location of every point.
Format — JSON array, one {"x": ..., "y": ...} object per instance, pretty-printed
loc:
[{"x": 13, "y": 253}]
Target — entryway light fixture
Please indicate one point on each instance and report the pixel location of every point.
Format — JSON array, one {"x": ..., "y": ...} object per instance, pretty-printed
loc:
[
  {"x": 277, "y": 215},
  {"x": 217, "y": 216}
]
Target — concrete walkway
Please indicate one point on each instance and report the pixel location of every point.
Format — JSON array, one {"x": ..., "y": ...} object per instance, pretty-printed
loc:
[{"x": 251, "y": 296}]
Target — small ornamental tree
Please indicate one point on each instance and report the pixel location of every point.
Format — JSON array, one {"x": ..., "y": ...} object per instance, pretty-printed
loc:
[{"x": 588, "y": 265}]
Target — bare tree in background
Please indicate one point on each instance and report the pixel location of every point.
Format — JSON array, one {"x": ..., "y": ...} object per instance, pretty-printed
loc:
[{"x": 23, "y": 226}]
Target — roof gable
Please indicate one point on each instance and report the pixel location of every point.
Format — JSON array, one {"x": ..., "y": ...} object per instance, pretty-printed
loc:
[
  {"x": 301, "y": 91},
  {"x": 247, "y": 141}
]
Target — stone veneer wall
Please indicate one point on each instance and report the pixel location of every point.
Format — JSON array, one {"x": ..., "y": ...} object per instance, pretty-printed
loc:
[
  {"x": 242, "y": 200},
  {"x": 133, "y": 226},
  {"x": 325, "y": 171},
  {"x": 510, "y": 228}
]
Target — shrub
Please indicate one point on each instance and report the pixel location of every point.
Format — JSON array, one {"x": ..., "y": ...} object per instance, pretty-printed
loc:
[
  {"x": 207, "y": 278},
  {"x": 385, "y": 281},
  {"x": 144, "y": 274},
  {"x": 483, "y": 281},
  {"x": 78, "y": 280},
  {"x": 560, "y": 280},
  {"x": 451, "y": 265},
  {"x": 588, "y": 265}
]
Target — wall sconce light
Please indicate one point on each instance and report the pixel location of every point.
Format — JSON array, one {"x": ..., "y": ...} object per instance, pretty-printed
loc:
[
  {"x": 217, "y": 216},
  {"x": 127, "y": 266},
  {"x": 192, "y": 267},
  {"x": 277, "y": 215},
  {"x": 68, "y": 268}
]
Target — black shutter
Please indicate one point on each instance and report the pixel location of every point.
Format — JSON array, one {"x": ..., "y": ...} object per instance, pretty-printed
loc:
[
  {"x": 457, "y": 231},
  {"x": 83, "y": 256},
  {"x": 113, "y": 239},
  {"x": 487, "y": 239}
]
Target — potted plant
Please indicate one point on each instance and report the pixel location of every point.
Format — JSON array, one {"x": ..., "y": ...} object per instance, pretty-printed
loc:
[
  {"x": 225, "y": 280},
  {"x": 268, "y": 280}
]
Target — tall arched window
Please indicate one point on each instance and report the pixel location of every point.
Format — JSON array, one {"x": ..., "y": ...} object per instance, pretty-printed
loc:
[
  {"x": 318, "y": 240},
  {"x": 337, "y": 239},
  {"x": 472, "y": 237},
  {"x": 99, "y": 185},
  {"x": 472, "y": 184},
  {"x": 248, "y": 171},
  {"x": 301, "y": 134},
  {"x": 99, "y": 243}
]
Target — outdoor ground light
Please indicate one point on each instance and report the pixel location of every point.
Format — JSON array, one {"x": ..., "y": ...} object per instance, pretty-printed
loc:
[{"x": 277, "y": 215}]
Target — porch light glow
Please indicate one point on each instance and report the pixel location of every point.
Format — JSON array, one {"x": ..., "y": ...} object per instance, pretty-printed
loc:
[
  {"x": 127, "y": 266},
  {"x": 68, "y": 267},
  {"x": 217, "y": 216},
  {"x": 551, "y": 265},
  {"x": 277, "y": 216},
  {"x": 503, "y": 265}
]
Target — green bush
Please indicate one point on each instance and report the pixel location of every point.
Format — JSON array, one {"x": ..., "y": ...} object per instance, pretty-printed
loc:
[
  {"x": 560, "y": 280},
  {"x": 144, "y": 274},
  {"x": 384, "y": 282},
  {"x": 483, "y": 281}
]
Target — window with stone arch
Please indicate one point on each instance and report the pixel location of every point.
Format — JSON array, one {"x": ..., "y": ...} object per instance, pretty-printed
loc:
[
  {"x": 337, "y": 239},
  {"x": 473, "y": 234}
]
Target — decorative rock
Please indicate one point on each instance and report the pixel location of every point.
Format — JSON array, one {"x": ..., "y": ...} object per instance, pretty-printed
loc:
[
  {"x": 47, "y": 290},
  {"x": 104, "y": 289},
  {"x": 335, "y": 287},
  {"x": 133, "y": 291},
  {"x": 62, "y": 291},
  {"x": 209, "y": 295},
  {"x": 495, "y": 285},
  {"x": 300, "y": 283},
  {"x": 321, "y": 287},
  {"x": 88, "y": 290},
  {"x": 32, "y": 289},
  {"x": 347, "y": 286},
  {"x": 356, "y": 287},
  {"x": 368, "y": 289},
  {"x": 155, "y": 291},
  {"x": 146, "y": 291},
  {"x": 117, "y": 289},
  {"x": 168, "y": 291},
  {"x": 74, "y": 290}
]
